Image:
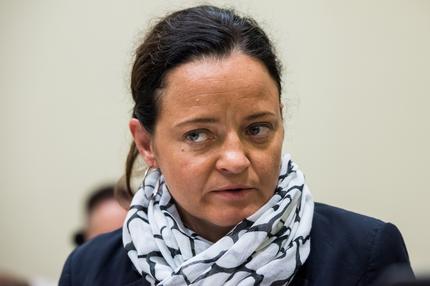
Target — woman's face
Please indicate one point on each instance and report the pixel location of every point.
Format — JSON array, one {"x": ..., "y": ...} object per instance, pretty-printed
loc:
[{"x": 217, "y": 140}]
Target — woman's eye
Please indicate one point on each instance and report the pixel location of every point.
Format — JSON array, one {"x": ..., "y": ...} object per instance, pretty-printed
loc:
[
  {"x": 197, "y": 136},
  {"x": 259, "y": 130}
]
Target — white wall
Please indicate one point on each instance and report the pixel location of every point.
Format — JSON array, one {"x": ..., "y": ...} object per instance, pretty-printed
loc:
[{"x": 357, "y": 83}]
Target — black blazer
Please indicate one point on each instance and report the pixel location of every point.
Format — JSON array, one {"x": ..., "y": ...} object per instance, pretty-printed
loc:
[{"x": 346, "y": 249}]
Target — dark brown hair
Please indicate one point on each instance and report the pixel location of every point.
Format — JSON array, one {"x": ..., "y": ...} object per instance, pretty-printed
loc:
[{"x": 184, "y": 36}]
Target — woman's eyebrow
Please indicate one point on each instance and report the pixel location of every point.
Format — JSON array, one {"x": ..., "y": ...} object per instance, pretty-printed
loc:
[
  {"x": 259, "y": 115},
  {"x": 197, "y": 120}
]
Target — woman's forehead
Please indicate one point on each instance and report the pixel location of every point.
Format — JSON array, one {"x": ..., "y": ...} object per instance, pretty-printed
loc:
[{"x": 210, "y": 80}]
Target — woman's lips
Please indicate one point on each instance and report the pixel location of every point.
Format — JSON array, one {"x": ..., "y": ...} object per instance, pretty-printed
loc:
[{"x": 233, "y": 192}]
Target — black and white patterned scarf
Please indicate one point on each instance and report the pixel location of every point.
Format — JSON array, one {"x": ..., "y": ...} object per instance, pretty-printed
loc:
[{"x": 266, "y": 248}]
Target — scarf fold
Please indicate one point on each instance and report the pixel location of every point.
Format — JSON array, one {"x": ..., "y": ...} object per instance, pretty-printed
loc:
[{"x": 267, "y": 248}]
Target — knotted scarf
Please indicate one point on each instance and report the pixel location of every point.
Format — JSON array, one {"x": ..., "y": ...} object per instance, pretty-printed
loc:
[{"x": 267, "y": 248}]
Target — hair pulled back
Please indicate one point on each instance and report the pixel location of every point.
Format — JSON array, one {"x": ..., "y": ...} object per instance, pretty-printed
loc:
[{"x": 184, "y": 36}]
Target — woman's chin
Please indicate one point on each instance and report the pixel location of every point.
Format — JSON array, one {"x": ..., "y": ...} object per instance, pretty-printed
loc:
[
  {"x": 230, "y": 218},
  {"x": 216, "y": 221}
]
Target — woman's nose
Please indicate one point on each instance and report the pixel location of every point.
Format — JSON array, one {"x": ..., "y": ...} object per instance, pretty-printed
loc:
[{"x": 233, "y": 157}]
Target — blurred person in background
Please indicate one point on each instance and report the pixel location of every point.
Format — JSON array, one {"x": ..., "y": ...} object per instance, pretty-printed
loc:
[
  {"x": 8, "y": 279},
  {"x": 102, "y": 214}
]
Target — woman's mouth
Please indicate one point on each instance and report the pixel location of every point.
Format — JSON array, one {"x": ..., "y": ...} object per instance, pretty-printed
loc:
[{"x": 233, "y": 192}]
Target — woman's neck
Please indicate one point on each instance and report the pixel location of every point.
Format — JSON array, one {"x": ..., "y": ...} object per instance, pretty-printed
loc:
[{"x": 205, "y": 229}]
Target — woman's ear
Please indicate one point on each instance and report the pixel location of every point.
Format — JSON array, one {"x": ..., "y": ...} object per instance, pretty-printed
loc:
[
  {"x": 281, "y": 109},
  {"x": 143, "y": 141}
]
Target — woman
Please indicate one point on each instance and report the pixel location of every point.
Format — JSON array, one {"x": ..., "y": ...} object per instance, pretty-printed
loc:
[{"x": 219, "y": 204}]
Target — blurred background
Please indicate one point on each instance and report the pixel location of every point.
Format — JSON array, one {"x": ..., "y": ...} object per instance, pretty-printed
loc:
[{"x": 356, "y": 89}]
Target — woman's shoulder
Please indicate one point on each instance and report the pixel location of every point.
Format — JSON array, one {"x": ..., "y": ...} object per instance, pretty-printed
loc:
[
  {"x": 341, "y": 220},
  {"x": 100, "y": 261},
  {"x": 357, "y": 232},
  {"x": 348, "y": 248}
]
